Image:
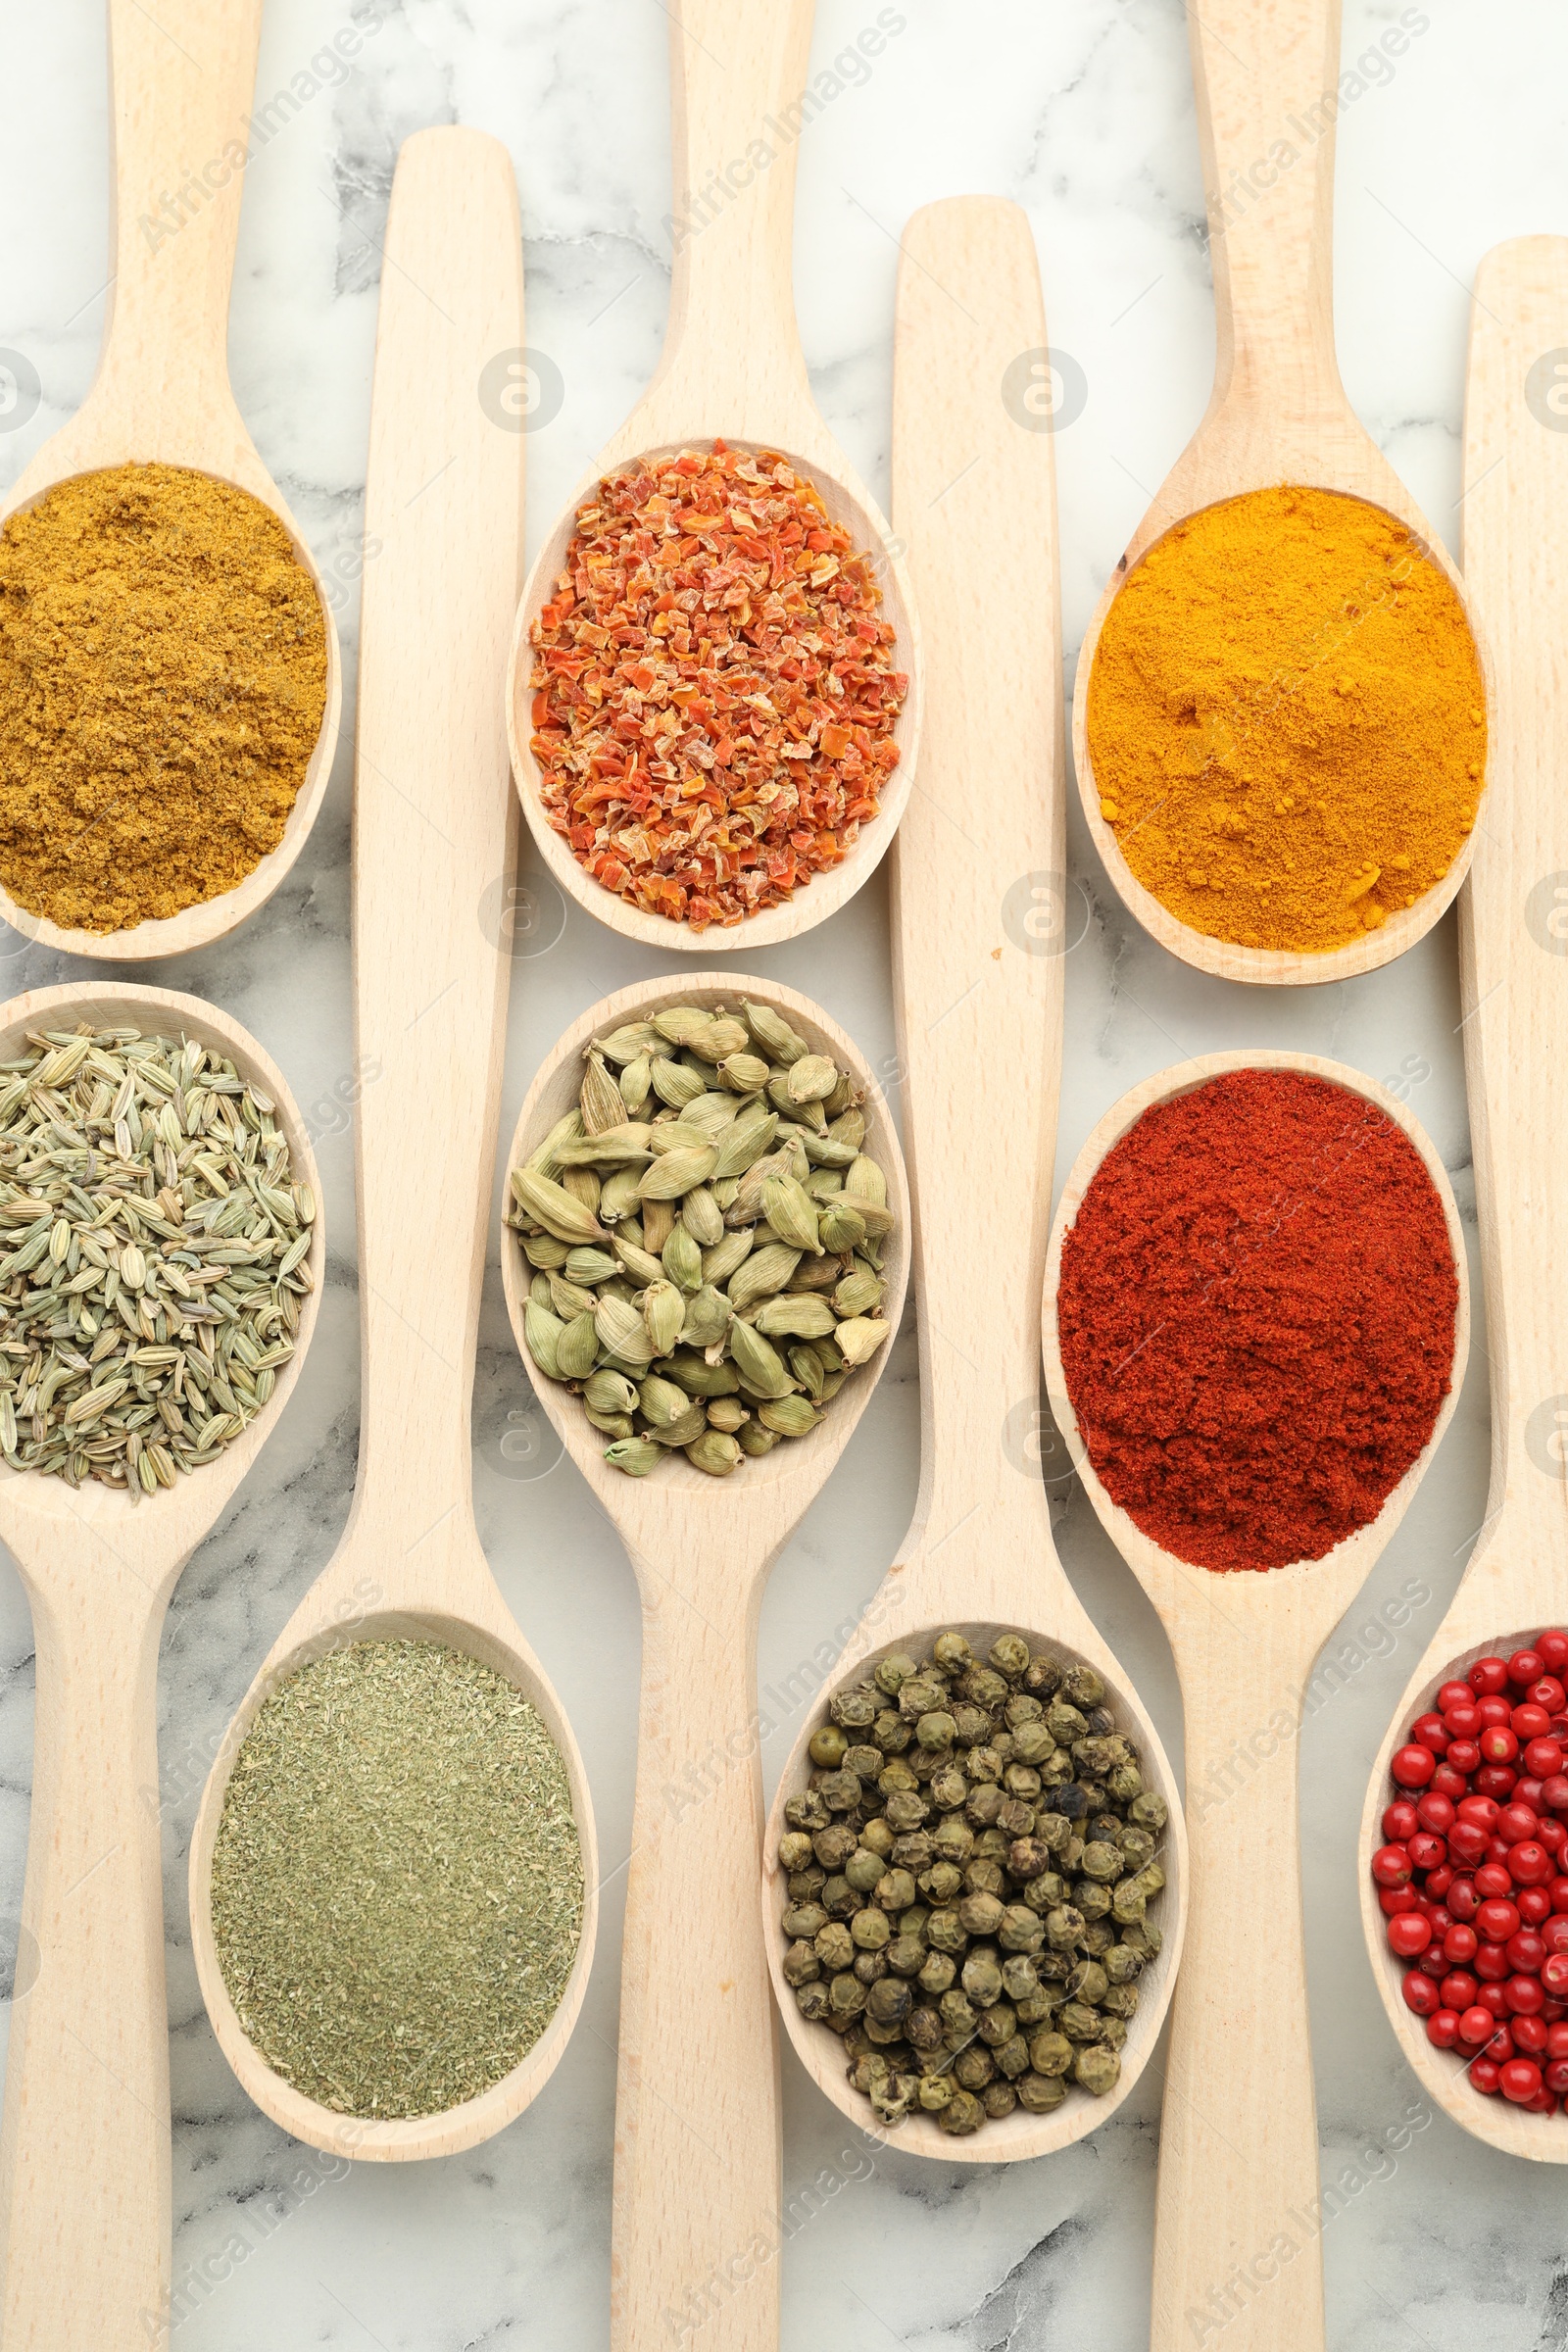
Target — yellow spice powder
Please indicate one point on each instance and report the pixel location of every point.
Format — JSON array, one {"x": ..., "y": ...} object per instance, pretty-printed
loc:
[
  {"x": 1287, "y": 720},
  {"x": 163, "y": 675}
]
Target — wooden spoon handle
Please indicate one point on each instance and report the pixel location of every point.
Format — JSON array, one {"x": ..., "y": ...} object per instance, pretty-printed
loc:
[
  {"x": 1235, "y": 2232},
  {"x": 698, "y": 2161},
  {"x": 435, "y": 815},
  {"x": 982, "y": 915},
  {"x": 183, "y": 77},
  {"x": 84, "y": 2158},
  {"x": 1513, "y": 915},
  {"x": 1267, "y": 76},
  {"x": 739, "y": 101}
]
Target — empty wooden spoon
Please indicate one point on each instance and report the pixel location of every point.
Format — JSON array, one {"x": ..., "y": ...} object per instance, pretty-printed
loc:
[
  {"x": 979, "y": 884},
  {"x": 182, "y": 80},
  {"x": 1238, "y": 2147},
  {"x": 1268, "y": 73},
  {"x": 1513, "y": 933},
  {"x": 698, "y": 2067},
  {"x": 435, "y": 818},
  {"x": 84, "y": 2146},
  {"x": 732, "y": 366}
]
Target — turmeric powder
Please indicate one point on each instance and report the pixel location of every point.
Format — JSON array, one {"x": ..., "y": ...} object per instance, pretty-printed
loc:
[
  {"x": 163, "y": 675},
  {"x": 1287, "y": 720}
]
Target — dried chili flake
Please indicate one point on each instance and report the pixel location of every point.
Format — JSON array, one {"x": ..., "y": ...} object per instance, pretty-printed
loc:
[{"x": 714, "y": 690}]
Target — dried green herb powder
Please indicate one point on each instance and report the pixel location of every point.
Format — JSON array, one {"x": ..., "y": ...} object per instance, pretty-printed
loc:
[{"x": 397, "y": 1878}]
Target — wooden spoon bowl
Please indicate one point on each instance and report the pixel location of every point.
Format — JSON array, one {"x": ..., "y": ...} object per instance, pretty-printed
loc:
[
  {"x": 181, "y": 88},
  {"x": 731, "y": 368},
  {"x": 435, "y": 811},
  {"x": 84, "y": 2147},
  {"x": 694, "y": 1998},
  {"x": 1278, "y": 413},
  {"x": 1515, "y": 512},
  {"x": 1239, "y": 2148},
  {"x": 1018, "y": 2136}
]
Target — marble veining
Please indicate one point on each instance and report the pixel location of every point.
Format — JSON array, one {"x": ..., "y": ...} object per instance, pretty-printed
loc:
[{"x": 1083, "y": 113}]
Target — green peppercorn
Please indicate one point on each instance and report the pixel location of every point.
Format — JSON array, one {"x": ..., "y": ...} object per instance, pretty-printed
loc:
[
  {"x": 952, "y": 1652},
  {"x": 1150, "y": 1811},
  {"x": 813, "y": 2002},
  {"x": 982, "y": 1977},
  {"x": 803, "y": 1919},
  {"x": 998, "y": 2100},
  {"x": 1088, "y": 1983},
  {"x": 1010, "y": 1656},
  {"x": 834, "y": 1845},
  {"x": 1120, "y": 2000},
  {"x": 1098, "y": 1937},
  {"x": 1146, "y": 1936},
  {"x": 889, "y": 2001},
  {"x": 834, "y": 1947},
  {"x": 923, "y": 2028},
  {"x": 906, "y": 1809},
  {"x": 838, "y": 1898},
  {"x": 800, "y": 1964},
  {"x": 961, "y": 2115},
  {"x": 1127, "y": 1903},
  {"x": 980, "y": 1914},
  {"x": 944, "y": 1932},
  {"x": 870, "y": 1966},
  {"x": 1078, "y": 2021},
  {"x": 997, "y": 2024},
  {"x": 804, "y": 1885},
  {"x": 935, "y": 2092},
  {"x": 1012, "y": 2056},
  {"x": 827, "y": 1746},
  {"x": 1113, "y": 2030},
  {"x": 1092, "y": 1897},
  {"x": 937, "y": 1972},
  {"x": 1019, "y": 1930},
  {"x": 906, "y": 1955},
  {"x": 893, "y": 1673},
  {"x": 949, "y": 1787},
  {"x": 936, "y": 1731},
  {"x": 805, "y": 1811},
  {"x": 1034, "y": 2007},
  {"x": 958, "y": 2016},
  {"x": 1064, "y": 1927},
  {"x": 863, "y": 1869},
  {"x": 1122, "y": 1963},
  {"x": 952, "y": 1839},
  {"x": 846, "y": 1994},
  {"x": 975, "y": 2067},
  {"x": 1038, "y": 2094},
  {"x": 895, "y": 1890},
  {"x": 877, "y": 1837},
  {"x": 1097, "y": 2069},
  {"x": 912, "y": 1852},
  {"x": 1050, "y": 2052}
]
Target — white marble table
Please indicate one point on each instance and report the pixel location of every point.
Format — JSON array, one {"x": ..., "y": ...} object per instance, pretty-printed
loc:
[{"x": 1083, "y": 112}]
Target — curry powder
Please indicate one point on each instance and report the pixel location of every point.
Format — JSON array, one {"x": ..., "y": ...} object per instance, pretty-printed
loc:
[
  {"x": 163, "y": 675},
  {"x": 1287, "y": 720}
]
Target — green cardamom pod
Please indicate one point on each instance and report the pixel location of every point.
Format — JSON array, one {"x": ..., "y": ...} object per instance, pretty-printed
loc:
[
  {"x": 848, "y": 1127},
  {"x": 678, "y": 1024},
  {"x": 675, "y": 1173},
  {"x": 577, "y": 1348},
  {"x": 774, "y": 1034},
  {"x": 661, "y": 1401},
  {"x": 858, "y": 1338},
  {"x": 802, "y": 1315},
  {"x": 857, "y": 1294},
  {"x": 601, "y": 1100},
  {"x": 636, "y": 1079},
  {"x": 727, "y": 1413},
  {"x": 614, "y": 1425},
  {"x": 659, "y": 1223},
  {"x": 621, "y": 1331},
  {"x": 701, "y": 1216},
  {"x": 640, "y": 1264},
  {"x": 841, "y": 1227},
  {"x": 722, "y": 1037},
  {"x": 791, "y": 1416},
  {"x": 623, "y": 1146},
  {"x": 824, "y": 1151},
  {"x": 806, "y": 1366},
  {"x": 707, "y": 1318},
  {"x": 813, "y": 1078},
  {"x": 699, "y": 1378},
  {"x": 744, "y": 1143},
  {"x": 568, "y": 1299},
  {"x": 690, "y": 1426},
  {"x": 684, "y": 1260},
  {"x": 676, "y": 1085},
  {"x": 866, "y": 1182},
  {"x": 791, "y": 1213},
  {"x": 758, "y": 1364},
  {"x": 664, "y": 1313},
  {"x": 715, "y": 1452},
  {"x": 539, "y": 1292},
  {"x": 609, "y": 1392},
  {"x": 635, "y": 1456},
  {"x": 542, "y": 1330},
  {"x": 713, "y": 1116},
  {"x": 617, "y": 1196},
  {"x": 764, "y": 1272},
  {"x": 823, "y": 1186},
  {"x": 554, "y": 1208},
  {"x": 720, "y": 1262},
  {"x": 753, "y": 1439},
  {"x": 625, "y": 1045},
  {"x": 676, "y": 1135},
  {"x": 544, "y": 1251},
  {"x": 542, "y": 1160},
  {"x": 743, "y": 1073},
  {"x": 584, "y": 1186},
  {"x": 589, "y": 1266}
]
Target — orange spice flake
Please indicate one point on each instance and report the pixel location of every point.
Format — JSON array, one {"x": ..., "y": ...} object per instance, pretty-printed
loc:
[{"x": 715, "y": 696}]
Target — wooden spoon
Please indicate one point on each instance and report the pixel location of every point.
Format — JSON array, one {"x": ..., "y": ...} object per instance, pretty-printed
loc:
[
  {"x": 1278, "y": 412},
  {"x": 978, "y": 878},
  {"x": 731, "y": 366},
  {"x": 182, "y": 78},
  {"x": 84, "y": 2145},
  {"x": 1238, "y": 2146},
  {"x": 436, "y": 818},
  {"x": 698, "y": 2067},
  {"x": 1513, "y": 934}
]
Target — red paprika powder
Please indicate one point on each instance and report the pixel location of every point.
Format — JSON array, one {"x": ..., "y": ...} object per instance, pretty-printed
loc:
[{"x": 1256, "y": 1317}]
